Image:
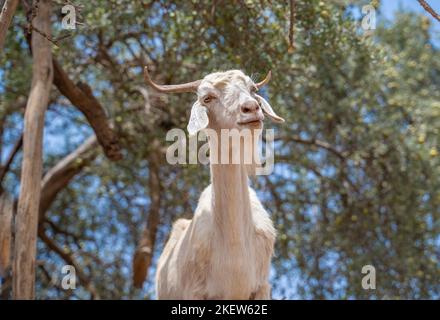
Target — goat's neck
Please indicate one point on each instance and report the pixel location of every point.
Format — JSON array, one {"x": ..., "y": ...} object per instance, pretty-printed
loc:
[{"x": 231, "y": 202}]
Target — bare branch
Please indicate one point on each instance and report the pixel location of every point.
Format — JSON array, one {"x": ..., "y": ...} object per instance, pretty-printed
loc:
[
  {"x": 59, "y": 176},
  {"x": 320, "y": 144},
  {"x": 429, "y": 9},
  {"x": 81, "y": 96}
]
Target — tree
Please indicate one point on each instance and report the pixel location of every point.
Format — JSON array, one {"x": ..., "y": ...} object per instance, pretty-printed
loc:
[
  {"x": 30, "y": 186},
  {"x": 6, "y": 15},
  {"x": 355, "y": 179}
]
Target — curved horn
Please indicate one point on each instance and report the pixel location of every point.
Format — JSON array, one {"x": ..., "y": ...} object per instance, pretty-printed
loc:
[
  {"x": 265, "y": 81},
  {"x": 177, "y": 88}
]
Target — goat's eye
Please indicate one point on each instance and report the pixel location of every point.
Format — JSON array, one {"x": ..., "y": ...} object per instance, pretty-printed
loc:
[
  {"x": 208, "y": 99},
  {"x": 254, "y": 89}
]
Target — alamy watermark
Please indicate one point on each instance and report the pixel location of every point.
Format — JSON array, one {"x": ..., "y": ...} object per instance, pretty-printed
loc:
[
  {"x": 69, "y": 20},
  {"x": 369, "y": 280},
  {"x": 66, "y": 279},
  {"x": 231, "y": 146},
  {"x": 71, "y": 15},
  {"x": 368, "y": 22},
  {"x": 69, "y": 280}
]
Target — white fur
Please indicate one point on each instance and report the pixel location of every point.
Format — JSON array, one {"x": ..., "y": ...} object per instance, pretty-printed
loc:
[{"x": 224, "y": 252}]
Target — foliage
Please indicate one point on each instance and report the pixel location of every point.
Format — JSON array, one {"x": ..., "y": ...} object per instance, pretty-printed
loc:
[{"x": 357, "y": 170}]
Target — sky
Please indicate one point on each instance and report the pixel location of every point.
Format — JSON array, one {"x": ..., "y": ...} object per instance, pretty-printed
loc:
[{"x": 389, "y": 7}]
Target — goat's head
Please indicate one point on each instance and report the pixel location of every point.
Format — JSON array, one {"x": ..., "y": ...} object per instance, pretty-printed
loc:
[{"x": 225, "y": 100}]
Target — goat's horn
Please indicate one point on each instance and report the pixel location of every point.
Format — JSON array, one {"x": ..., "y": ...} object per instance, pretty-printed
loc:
[
  {"x": 178, "y": 88},
  {"x": 266, "y": 80}
]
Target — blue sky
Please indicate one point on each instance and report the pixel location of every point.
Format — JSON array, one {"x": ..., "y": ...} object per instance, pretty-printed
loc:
[{"x": 388, "y": 9}]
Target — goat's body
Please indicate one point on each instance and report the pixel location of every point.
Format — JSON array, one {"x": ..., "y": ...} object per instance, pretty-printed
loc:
[
  {"x": 198, "y": 262},
  {"x": 224, "y": 252}
]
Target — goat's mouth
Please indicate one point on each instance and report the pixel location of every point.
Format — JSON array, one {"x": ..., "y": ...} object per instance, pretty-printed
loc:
[{"x": 252, "y": 122}]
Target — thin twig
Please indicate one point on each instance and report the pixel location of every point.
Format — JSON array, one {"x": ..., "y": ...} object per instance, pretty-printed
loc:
[
  {"x": 320, "y": 144},
  {"x": 292, "y": 26}
]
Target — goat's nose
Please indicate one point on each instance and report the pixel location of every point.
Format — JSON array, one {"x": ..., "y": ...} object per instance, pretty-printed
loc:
[{"x": 250, "y": 107}]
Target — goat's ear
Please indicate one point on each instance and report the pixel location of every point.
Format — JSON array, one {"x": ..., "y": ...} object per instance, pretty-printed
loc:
[
  {"x": 199, "y": 118},
  {"x": 267, "y": 109}
]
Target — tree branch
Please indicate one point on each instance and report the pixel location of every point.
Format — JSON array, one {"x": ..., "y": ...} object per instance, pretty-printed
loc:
[
  {"x": 292, "y": 26},
  {"x": 429, "y": 9},
  {"x": 6, "y": 16},
  {"x": 5, "y": 168},
  {"x": 53, "y": 182},
  {"x": 58, "y": 230},
  {"x": 320, "y": 144},
  {"x": 60, "y": 175},
  {"x": 81, "y": 96},
  {"x": 68, "y": 258}
]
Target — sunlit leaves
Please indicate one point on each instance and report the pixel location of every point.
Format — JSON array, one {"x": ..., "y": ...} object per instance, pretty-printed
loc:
[{"x": 375, "y": 100}]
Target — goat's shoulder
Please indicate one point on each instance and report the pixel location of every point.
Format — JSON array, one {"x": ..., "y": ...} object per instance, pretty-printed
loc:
[
  {"x": 176, "y": 234},
  {"x": 203, "y": 218},
  {"x": 203, "y": 213},
  {"x": 262, "y": 221},
  {"x": 204, "y": 204}
]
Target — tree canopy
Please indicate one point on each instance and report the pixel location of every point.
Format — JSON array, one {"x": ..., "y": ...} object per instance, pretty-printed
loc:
[{"x": 357, "y": 165}]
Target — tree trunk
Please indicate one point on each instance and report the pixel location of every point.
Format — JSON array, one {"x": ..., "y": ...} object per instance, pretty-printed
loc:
[
  {"x": 6, "y": 214},
  {"x": 144, "y": 252},
  {"x": 6, "y": 16},
  {"x": 31, "y": 171}
]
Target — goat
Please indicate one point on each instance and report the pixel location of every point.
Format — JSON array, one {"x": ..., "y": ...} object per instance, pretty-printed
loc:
[{"x": 224, "y": 251}]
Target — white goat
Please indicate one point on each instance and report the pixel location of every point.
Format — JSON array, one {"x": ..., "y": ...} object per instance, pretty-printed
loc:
[{"x": 224, "y": 252}]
